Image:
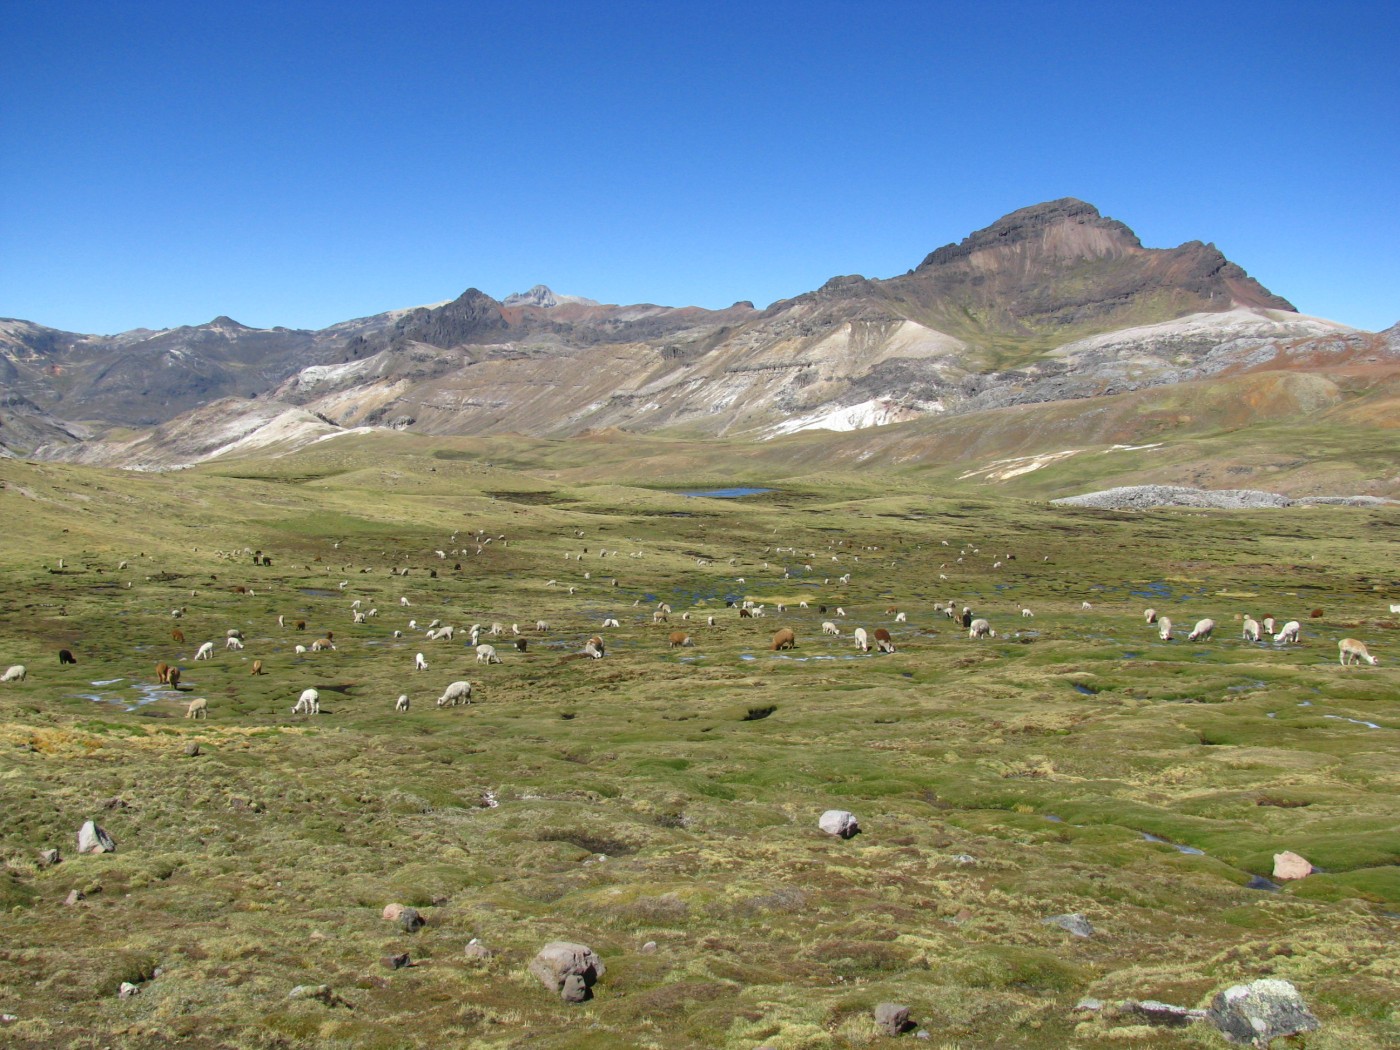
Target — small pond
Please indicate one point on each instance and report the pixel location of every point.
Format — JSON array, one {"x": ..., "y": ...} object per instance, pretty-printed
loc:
[{"x": 733, "y": 493}]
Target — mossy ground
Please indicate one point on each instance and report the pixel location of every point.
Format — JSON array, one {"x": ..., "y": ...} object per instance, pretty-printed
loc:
[{"x": 672, "y": 795}]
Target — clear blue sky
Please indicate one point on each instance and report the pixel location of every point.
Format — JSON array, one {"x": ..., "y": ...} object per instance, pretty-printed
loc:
[{"x": 301, "y": 164}]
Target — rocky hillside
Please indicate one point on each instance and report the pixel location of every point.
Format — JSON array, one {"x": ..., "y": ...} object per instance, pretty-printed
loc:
[{"x": 1051, "y": 303}]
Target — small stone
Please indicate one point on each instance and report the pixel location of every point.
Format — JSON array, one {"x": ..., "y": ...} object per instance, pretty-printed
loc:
[
  {"x": 392, "y": 912},
  {"x": 320, "y": 992},
  {"x": 649, "y": 947},
  {"x": 1261, "y": 1011},
  {"x": 127, "y": 990},
  {"x": 1289, "y": 865},
  {"x": 74, "y": 896},
  {"x": 1089, "y": 1004},
  {"x": 410, "y": 921},
  {"x": 839, "y": 822},
  {"x": 575, "y": 989},
  {"x": 922, "y": 1034},
  {"x": 191, "y": 749},
  {"x": 49, "y": 857},
  {"x": 1075, "y": 924},
  {"x": 892, "y": 1018},
  {"x": 964, "y": 858},
  {"x": 1164, "y": 1014},
  {"x": 397, "y": 962},
  {"x": 93, "y": 839},
  {"x": 476, "y": 950}
]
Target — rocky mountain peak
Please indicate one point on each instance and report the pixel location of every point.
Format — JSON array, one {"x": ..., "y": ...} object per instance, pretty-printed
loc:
[
  {"x": 541, "y": 295},
  {"x": 1064, "y": 227}
]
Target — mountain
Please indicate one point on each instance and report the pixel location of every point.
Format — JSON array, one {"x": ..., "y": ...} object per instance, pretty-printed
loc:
[{"x": 1052, "y": 303}]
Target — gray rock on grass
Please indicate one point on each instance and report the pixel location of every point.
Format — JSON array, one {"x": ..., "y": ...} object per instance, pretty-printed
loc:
[
  {"x": 93, "y": 839},
  {"x": 1260, "y": 1012},
  {"x": 892, "y": 1018},
  {"x": 1075, "y": 924},
  {"x": 839, "y": 822},
  {"x": 559, "y": 961}
]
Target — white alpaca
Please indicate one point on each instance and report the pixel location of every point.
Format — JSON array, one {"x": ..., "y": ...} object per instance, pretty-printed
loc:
[
  {"x": 205, "y": 652},
  {"x": 862, "y": 640},
  {"x": 1202, "y": 630},
  {"x": 1164, "y": 629},
  {"x": 199, "y": 708},
  {"x": 233, "y": 643},
  {"x": 486, "y": 654},
  {"x": 401, "y": 704},
  {"x": 16, "y": 673},
  {"x": 1288, "y": 633},
  {"x": 456, "y": 693},
  {"x": 420, "y": 663},
  {"x": 1351, "y": 651},
  {"x": 308, "y": 704}
]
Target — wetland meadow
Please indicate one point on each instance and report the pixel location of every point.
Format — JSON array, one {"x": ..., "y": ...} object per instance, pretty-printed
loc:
[{"x": 661, "y": 805}]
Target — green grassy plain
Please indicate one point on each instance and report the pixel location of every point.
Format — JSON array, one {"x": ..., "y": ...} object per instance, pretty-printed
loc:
[{"x": 672, "y": 795}]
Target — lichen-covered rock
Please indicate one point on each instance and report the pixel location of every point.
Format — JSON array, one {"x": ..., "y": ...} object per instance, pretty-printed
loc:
[
  {"x": 93, "y": 839},
  {"x": 560, "y": 960},
  {"x": 839, "y": 822},
  {"x": 1260, "y": 1012}
]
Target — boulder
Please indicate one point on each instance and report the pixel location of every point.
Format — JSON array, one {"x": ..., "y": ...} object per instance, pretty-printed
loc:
[
  {"x": 892, "y": 1018},
  {"x": 1260, "y": 1012},
  {"x": 1075, "y": 924},
  {"x": 49, "y": 857},
  {"x": 839, "y": 822},
  {"x": 405, "y": 916},
  {"x": 92, "y": 839},
  {"x": 560, "y": 960},
  {"x": 1289, "y": 865}
]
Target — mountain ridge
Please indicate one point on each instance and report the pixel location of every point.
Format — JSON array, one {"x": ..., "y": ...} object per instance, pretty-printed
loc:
[{"x": 1051, "y": 302}]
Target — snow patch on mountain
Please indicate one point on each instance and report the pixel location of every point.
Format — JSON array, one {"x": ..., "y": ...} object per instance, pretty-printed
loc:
[{"x": 874, "y": 413}]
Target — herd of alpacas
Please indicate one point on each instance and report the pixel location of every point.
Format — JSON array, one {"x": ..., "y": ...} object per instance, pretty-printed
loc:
[{"x": 1350, "y": 650}]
